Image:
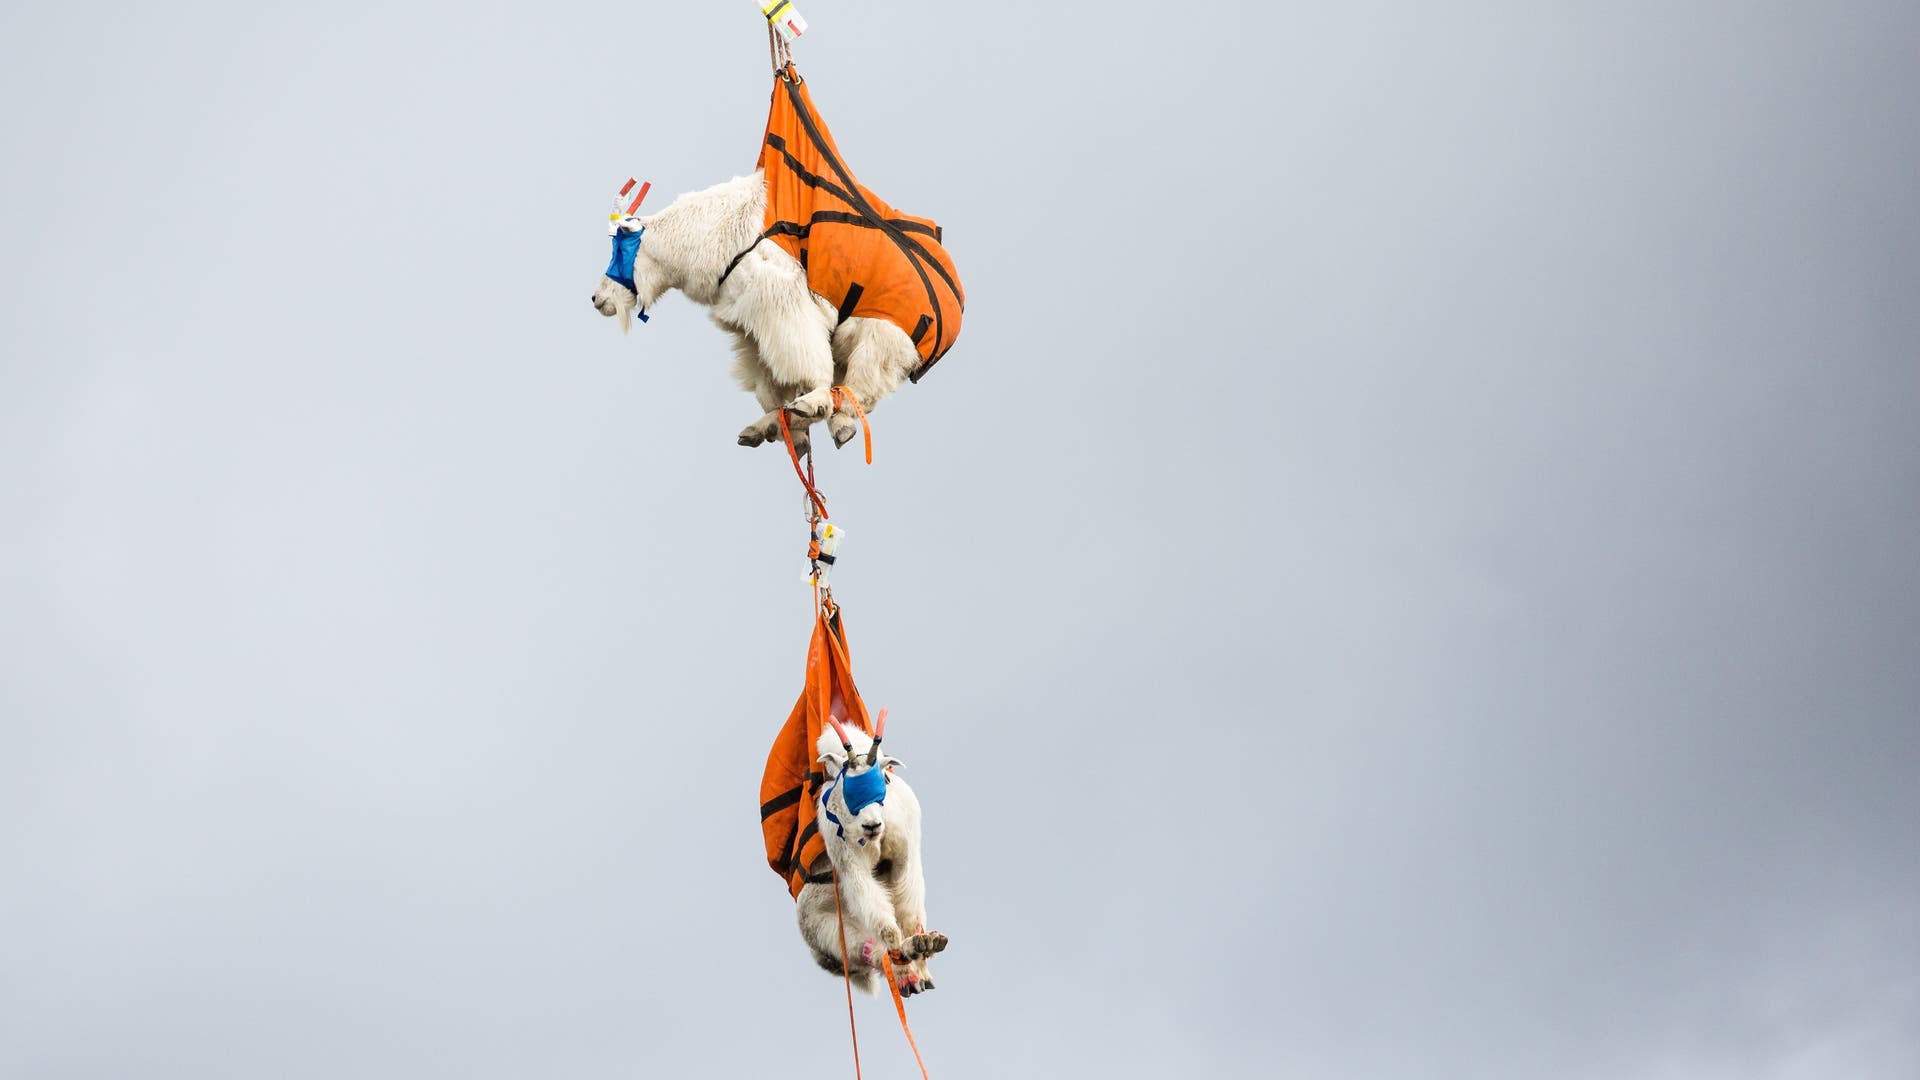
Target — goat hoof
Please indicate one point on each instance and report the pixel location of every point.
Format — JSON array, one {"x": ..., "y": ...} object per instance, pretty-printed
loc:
[
  {"x": 926, "y": 944},
  {"x": 843, "y": 428},
  {"x": 748, "y": 438},
  {"x": 926, "y": 984}
]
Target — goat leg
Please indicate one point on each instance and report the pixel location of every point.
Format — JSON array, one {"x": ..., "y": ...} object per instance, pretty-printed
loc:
[
  {"x": 866, "y": 907},
  {"x": 765, "y": 429}
]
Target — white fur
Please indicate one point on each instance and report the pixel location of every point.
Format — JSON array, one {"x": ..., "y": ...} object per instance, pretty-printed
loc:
[
  {"x": 883, "y": 890},
  {"x": 787, "y": 351}
]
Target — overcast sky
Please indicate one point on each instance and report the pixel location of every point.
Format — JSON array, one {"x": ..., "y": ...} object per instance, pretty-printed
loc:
[{"x": 1409, "y": 572}]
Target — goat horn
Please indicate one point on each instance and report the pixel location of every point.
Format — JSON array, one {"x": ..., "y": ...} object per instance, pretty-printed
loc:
[
  {"x": 845, "y": 743},
  {"x": 879, "y": 732}
]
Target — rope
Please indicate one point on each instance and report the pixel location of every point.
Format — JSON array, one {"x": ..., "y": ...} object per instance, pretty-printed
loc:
[
  {"x": 778, "y": 51},
  {"x": 846, "y": 972},
  {"x": 806, "y": 480},
  {"x": 893, "y": 987}
]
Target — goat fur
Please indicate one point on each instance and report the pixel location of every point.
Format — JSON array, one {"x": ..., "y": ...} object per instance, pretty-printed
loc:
[
  {"x": 788, "y": 352},
  {"x": 883, "y": 891}
]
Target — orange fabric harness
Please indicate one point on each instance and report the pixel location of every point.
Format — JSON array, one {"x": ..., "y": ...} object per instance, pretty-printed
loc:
[
  {"x": 862, "y": 255},
  {"x": 791, "y": 781}
]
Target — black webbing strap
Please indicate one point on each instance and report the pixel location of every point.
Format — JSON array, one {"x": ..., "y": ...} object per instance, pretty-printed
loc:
[
  {"x": 728, "y": 272},
  {"x": 782, "y": 801},
  {"x": 852, "y": 301}
]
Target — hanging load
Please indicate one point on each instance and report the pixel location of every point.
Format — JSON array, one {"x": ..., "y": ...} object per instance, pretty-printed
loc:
[
  {"x": 790, "y": 784},
  {"x": 865, "y": 257},
  {"x": 871, "y": 262}
]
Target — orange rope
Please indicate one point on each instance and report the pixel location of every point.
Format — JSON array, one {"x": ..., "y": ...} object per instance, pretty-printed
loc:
[
  {"x": 813, "y": 493},
  {"x": 841, "y": 395},
  {"x": 900, "y": 1007},
  {"x": 846, "y": 971},
  {"x": 893, "y": 986}
]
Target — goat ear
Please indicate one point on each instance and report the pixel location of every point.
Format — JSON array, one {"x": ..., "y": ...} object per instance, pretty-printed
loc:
[
  {"x": 833, "y": 762},
  {"x": 888, "y": 761}
]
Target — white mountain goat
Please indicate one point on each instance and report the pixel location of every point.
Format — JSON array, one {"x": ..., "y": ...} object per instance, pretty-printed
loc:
[
  {"x": 870, "y": 820},
  {"x": 788, "y": 350}
]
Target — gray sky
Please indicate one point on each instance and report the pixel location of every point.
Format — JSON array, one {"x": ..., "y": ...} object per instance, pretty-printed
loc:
[{"x": 1409, "y": 571}]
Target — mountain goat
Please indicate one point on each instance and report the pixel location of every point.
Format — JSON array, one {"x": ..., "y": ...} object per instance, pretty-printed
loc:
[
  {"x": 870, "y": 820},
  {"x": 790, "y": 346}
]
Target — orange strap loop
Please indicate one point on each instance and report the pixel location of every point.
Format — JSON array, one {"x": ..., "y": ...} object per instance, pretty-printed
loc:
[
  {"x": 806, "y": 481},
  {"x": 893, "y": 987},
  {"x": 842, "y": 395},
  {"x": 900, "y": 1006}
]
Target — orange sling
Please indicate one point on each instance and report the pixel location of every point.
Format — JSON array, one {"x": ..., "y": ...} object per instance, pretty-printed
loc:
[
  {"x": 862, "y": 255},
  {"x": 791, "y": 782}
]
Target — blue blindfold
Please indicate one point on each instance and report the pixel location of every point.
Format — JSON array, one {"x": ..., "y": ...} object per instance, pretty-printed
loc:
[
  {"x": 864, "y": 789},
  {"x": 626, "y": 248},
  {"x": 860, "y": 792}
]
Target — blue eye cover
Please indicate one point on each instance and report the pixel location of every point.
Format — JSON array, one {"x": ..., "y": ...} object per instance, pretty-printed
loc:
[
  {"x": 864, "y": 789},
  {"x": 626, "y": 247}
]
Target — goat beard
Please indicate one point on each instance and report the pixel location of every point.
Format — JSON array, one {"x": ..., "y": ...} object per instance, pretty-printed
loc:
[{"x": 624, "y": 301}]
